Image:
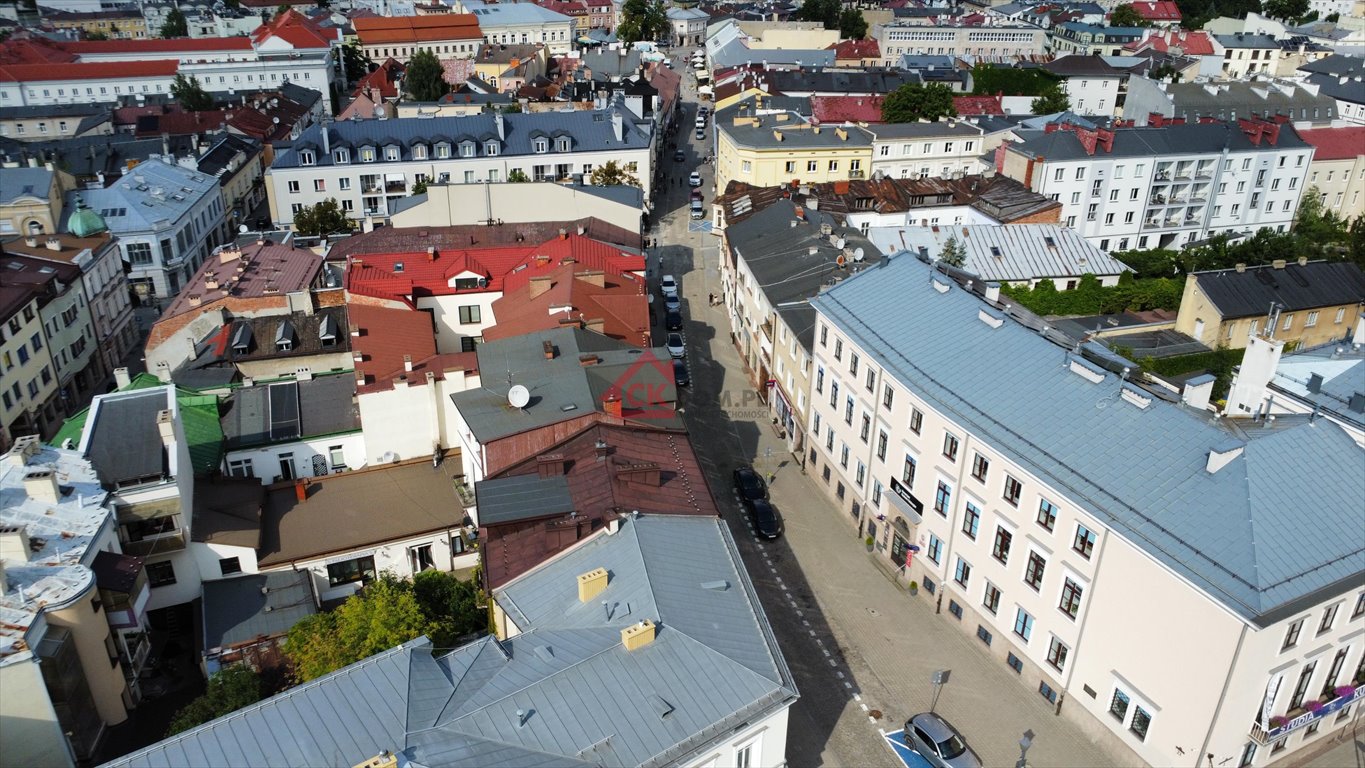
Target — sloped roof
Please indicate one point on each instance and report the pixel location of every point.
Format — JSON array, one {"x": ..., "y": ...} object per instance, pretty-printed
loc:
[
  {"x": 294, "y": 28},
  {"x": 30, "y": 73},
  {"x": 1295, "y": 287},
  {"x": 1340, "y": 143},
  {"x": 1157, "y": 10},
  {"x": 857, "y": 49},
  {"x": 1236, "y": 534},
  {"x": 620, "y": 303},
  {"x": 838, "y": 109},
  {"x": 258, "y": 605},
  {"x": 1196, "y": 43},
  {"x": 1006, "y": 254},
  {"x": 970, "y": 106},
  {"x": 374, "y": 30},
  {"x": 1147, "y": 141},
  {"x": 21, "y": 182}
]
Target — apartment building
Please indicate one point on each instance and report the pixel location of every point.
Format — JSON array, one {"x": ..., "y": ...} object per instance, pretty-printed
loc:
[
  {"x": 55, "y": 121},
  {"x": 1084, "y": 547},
  {"x": 768, "y": 150},
  {"x": 1003, "y": 40},
  {"x": 1339, "y": 77},
  {"x": 368, "y": 163},
  {"x": 116, "y": 24},
  {"x": 31, "y": 198},
  {"x": 1091, "y": 85},
  {"x": 1167, "y": 185},
  {"x": 26, "y": 401},
  {"x": 1338, "y": 168},
  {"x": 74, "y": 639},
  {"x": 1228, "y": 100},
  {"x": 1074, "y": 37},
  {"x": 447, "y": 35},
  {"x": 688, "y": 25},
  {"x": 523, "y": 23},
  {"x": 1245, "y": 54},
  {"x": 943, "y": 149}
]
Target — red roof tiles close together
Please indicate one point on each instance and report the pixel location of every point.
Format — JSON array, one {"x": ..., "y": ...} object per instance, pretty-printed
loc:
[
  {"x": 294, "y": 28},
  {"x": 853, "y": 109},
  {"x": 1186, "y": 43},
  {"x": 614, "y": 305},
  {"x": 19, "y": 73},
  {"x": 973, "y": 106},
  {"x": 1341, "y": 143},
  {"x": 856, "y": 49}
]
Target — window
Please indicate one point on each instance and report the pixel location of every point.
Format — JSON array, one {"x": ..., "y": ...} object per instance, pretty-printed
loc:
[
  {"x": 293, "y": 187},
  {"x": 1056, "y": 654},
  {"x": 1085, "y": 541},
  {"x": 950, "y": 445},
  {"x": 1329, "y": 617},
  {"x": 337, "y": 456},
  {"x": 833, "y": 394},
  {"x": 470, "y": 314},
  {"x": 820, "y": 379},
  {"x": 420, "y": 559},
  {"x": 971, "y": 520},
  {"x": 838, "y": 349},
  {"x": 980, "y": 466},
  {"x": 140, "y": 254},
  {"x": 942, "y": 497},
  {"x": 824, "y": 335},
  {"x": 241, "y": 468},
  {"x": 791, "y": 164},
  {"x": 229, "y": 565},
  {"x": 991, "y": 600},
  {"x": 983, "y": 634},
  {"x": 160, "y": 574},
  {"x": 1047, "y": 692},
  {"x": 1359, "y": 610},
  {"x": 1013, "y": 490},
  {"x": 908, "y": 480},
  {"x": 848, "y": 411},
  {"x": 350, "y": 571},
  {"x": 882, "y": 439},
  {"x": 935, "y": 548},
  {"x": 1047, "y": 514},
  {"x": 1291, "y": 636},
  {"x": 843, "y": 456},
  {"x": 834, "y": 165},
  {"x": 1311, "y": 321},
  {"x": 307, "y": 157},
  {"x": 861, "y": 474},
  {"x": 1118, "y": 706},
  {"x": 344, "y": 184},
  {"x": 871, "y": 381},
  {"x": 1001, "y": 549},
  {"x": 1341, "y": 314},
  {"x": 916, "y": 420},
  {"x": 888, "y": 394},
  {"x": 963, "y": 574},
  {"x": 1023, "y": 624},
  {"x": 812, "y": 166},
  {"x": 865, "y": 431},
  {"x": 319, "y": 185},
  {"x": 1141, "y": 722},
  {"x": 745, "y": 166},
  {"x": 1301, "y": 689},
  {"x": 1033, "y": 572},
  {"x": 1014, "y": 663},
  {"x": 1071, "y": 598}
]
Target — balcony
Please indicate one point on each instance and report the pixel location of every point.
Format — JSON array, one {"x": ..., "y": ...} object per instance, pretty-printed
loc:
[
  {"x": 395, "y": 187},
  {"x": 151, "y": 527},
  {"x": 1314, "y": 712},
  {"x": 1157, "y": 200},
  {"x": 857, "y": 173},
  {"x": 155, "y": 545},
  {"x": 1151, "y": 224}
]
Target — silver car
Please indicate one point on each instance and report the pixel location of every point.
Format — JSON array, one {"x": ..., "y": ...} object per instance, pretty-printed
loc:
[{"x": 939, "y": 743}]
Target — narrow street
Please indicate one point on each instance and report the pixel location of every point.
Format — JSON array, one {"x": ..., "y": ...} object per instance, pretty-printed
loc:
[{"x": 861, "y": 648}]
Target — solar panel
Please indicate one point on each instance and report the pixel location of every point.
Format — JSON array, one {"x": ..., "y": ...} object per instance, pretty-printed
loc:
[{"x": 284, "y": 411}]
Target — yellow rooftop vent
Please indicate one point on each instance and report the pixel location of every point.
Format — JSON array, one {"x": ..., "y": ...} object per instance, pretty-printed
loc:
[
  {"x": 638, "y": 635},
  {"x": 591, "y": 584},
  {"x": 384, "y": 759}
]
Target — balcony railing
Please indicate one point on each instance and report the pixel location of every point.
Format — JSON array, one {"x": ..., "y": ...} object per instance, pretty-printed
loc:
[
  {"x": 395, "y": 187},
  {"x": 155, "y": 545},
  {"x": 857, "y": 173},
  {"x": 1283, "y": 725}
]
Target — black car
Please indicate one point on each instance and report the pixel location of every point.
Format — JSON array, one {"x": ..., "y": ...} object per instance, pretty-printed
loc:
[
  {"x": 749, "y": 485},
  {"x": 680, "y": 376},
  {"x": 673, "y": 320},
  {"x": 679, "y": 155},
  {"x": 766, "y": 521}
]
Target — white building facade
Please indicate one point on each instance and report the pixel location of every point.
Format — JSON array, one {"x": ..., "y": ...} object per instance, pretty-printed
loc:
[{"x": 1001, "y": 40}]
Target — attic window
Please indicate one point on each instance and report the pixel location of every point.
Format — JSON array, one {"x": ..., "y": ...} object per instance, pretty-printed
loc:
[
  {"x": 443, "y": 150},
  {"x": 490, "y": 148},
  {"x": 995, "y": 251},
  {"x": 466, "y": 149},
  {"x": 392, "y": 152},
  {"x": 327, "y": 331},
  {"x": 341, "y": 155},
  {"x": 367, "y": 154},
  {"x": 419, "y": 151},
  {"x": 307, "y": 157},
  {"x": 284, "y": 337},
  {"x": 562, "y": 144},
  {"x": 398, "y": 267},
  {"x": 1051, "y": 243},
  {"x": 541, "y": 146}
]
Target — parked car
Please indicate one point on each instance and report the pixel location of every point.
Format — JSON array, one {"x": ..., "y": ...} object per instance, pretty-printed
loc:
[
  {"x": 939, "y": 743},
  {"x": 749, "y": 484},
  {"x": 680, "y": 376},
  {"x": 694, "y": 179},
  {"x": 676, "y": 347},
  {"x": 672, "y": 303},
  {"x": 673, "y": 320},
  {"x": 696, "y": 211},
  {"x": 679, "y": 155},
  {"x": 767, "y": 523},
  {"x": 696, "y": 196},
  {"x": 669, "y": 285}
]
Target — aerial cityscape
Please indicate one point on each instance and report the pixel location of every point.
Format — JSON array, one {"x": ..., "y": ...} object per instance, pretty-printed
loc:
[{"x": 704, "y": 383}]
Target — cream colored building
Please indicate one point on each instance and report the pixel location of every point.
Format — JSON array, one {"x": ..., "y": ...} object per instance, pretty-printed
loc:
[
  {"x": 1114, "y": 558},
  {"x": 1337, "y": 172},
  {"x": 45, "y": 122},
  {"x": 448, "y": 205},
  {"x": 1308, "y": 303},
  {"x": 770, "y": 150},
  {"x": 800, "y": 35},
  {"x": 26, "y": 394},
  {"x": 31, "y": 199}
]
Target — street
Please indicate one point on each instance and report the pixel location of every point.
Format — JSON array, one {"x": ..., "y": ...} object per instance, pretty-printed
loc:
[{"x": 862, "y": 649}]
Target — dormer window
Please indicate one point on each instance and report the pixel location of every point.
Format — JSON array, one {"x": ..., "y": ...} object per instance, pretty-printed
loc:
[
  {"x": 341, "y": 155},
  {"x": 367, "y": 154},
  {"x": 562, "y": 144},
  {"x": 466, "y": 149},
  {"x": 308, "y": 157},
  {"x": 490, "y": 148},
  {"x": 541, "y": 146},
  {"x": 443, "y": 150},
  {"x": 392, "y": 152},
  {"x": 419, "y": 151}
]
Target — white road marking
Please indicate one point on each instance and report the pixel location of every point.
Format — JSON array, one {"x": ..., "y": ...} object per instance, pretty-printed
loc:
[{"x": 856, "y": 697}]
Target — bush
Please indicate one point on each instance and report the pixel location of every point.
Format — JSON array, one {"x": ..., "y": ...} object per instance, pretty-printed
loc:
[
  {"x": 228, "y": 691},
  {"x": 1091, "y": 298}
]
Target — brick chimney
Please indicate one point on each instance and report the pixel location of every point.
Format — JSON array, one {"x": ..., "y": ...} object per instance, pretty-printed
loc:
[
  {"x": 550, "y": 465},
  {"x": 593, "y": 276},
  {"x": 611, "y": 404},
  {"x": 548, "y": 347},
  {"x": 539, "y": 285}
]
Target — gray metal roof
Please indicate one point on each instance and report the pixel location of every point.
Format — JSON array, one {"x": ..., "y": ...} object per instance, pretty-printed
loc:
[
  {"x": 1199, "y": 139},
  {"x": 1006, "y": 254},
  {"x": 1243, "y": 534},
  {"x": 122, "y": 437},
  {"x": 796, "y": 134},
  {"x": 24, "y": 182},
  {"x": 1340, "y": 377},
  {"x": 289, "y": 410},
  {"x": 1293, "y": 286},
  {"x": 713, "y": 666},
  {"x": 257, "y": 605},
  {"x": 149, "y": 195},
  {"x": 1226, "y": 99},
  {"x": 522, "y": 497}
]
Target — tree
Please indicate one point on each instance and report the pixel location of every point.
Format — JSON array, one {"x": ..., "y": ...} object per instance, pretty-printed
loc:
[
  {"x": 229, "y": 690},
  {"x": 826, "y": 12},
  {"x": 989, "y": 79},
  {"x": 1285, "y": 10},
  {"x": 1333, "y": 17},
  {"x": 96, "y": 35},
  {"x": 852, "y": 25},
  {"x": 233, "y": 5},
  {"x": 190, "y": 93},
  {"x": 642, "y": 20},
  {"x": 324, "y": 218},
  {"x": 914, "y": 101},
  {"x": 1355, "y": 242},
  {"x": 517, "y": 176},
  {"x": 450, "y": 605},
  {"x": 613, "y": 174},
  {"x": 175, "y": 25},
  {"x": 425, "y": 77},
  {"x": 282, "y": 9},
  {"x": 420, "y": 188},
  {"x": 1163, "y": 71},
  {"x": 953, "y": 254},
  {"x": 1315, "y": 226},
  {"x": 1051, "y": 101},
  {"x": 1126, "y": 15},
  {"x": 355, "y": 62}
]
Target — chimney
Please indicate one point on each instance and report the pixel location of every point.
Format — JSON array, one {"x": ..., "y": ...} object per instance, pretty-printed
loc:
[
  {"x": 611, "y": 404},
  {"x": 53, "y": 244},
  {"x": 121, "y": 378},
  {"x": 588, "y": 359},
  {"x": 14, "y": 543},
  {"x": 300, "y": 490},
  {"x": 601, "y": 449},
  {"x": 592, "y": 584},
  {"x": 638, "y": 635},
  {"x": 594, "y": 277},
  {"x": 550, "y": 465},
  {"x": 539, "y": 285},
  {"x": 1240, "y": 267},
  {"x": 163, "y": 371},
  {"x": 165, "y": 424},
  {"x": 993, "y": 293},
  {"x": 1303, "y": 261},
  {"x": 41, "y": 485},
  {"x": 596, "y": 325},
  {"x": 326, "y": 140},
  {"x": 303, "y": 373},
  {"x": 1198, "y": 391},
  {"x": 1278, "y": 264},
  {"x": 1222, "y": 454},
  {"x": 407, "y": 363}
]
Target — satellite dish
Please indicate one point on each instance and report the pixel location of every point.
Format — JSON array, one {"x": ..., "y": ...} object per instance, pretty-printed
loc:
[
  {"x": 518, "y": 396},
  {"x": 242, "y": 228},
  {"x": 857, "y": 254}
]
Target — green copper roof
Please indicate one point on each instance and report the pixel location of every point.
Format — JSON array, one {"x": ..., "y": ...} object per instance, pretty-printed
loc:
[
  {"x": 85, "y": 222},
  {"x": 198, "y": 414}
]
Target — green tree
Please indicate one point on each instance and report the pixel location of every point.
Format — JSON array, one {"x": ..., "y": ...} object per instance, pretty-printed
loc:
[
  {"x": 852, "y": 25},
  {"x": 827, "y": 12},
  {"x": 325, "y": 218},
  {"x": 1333, "y": 17},
  {"x": 450, "y": 605},
  {"x": 1355, "y": 242},
  {"x": 612, "y": 174},
  {"x": 1316, "y": 227},
  {"x": 355, "y": 62},
  {"x": 1126, "y": 16},
  {"x": 282, "y": 9},
  {"x": 420, "y": 188},
  {"x": 190, "y": 93},
  {"x": 953, "y": 254},
  {"x": 914, "y": 101},
  {"x": 229, "y": 690},
  {"x": 96, "y": 35},
  {"x": 175, "y": 25},
  {"x": 1285, "y": 10},
  {"x": 1050, "y": 101},
  {"x": 989, "y": 79},
  {"x": 425, "y": 78},
  {"x": 642, "y": 20},
  {"x": 233, "y": 5},
  {"x": 1162, "y": 71},
  {"x": 517, "y": 176}
]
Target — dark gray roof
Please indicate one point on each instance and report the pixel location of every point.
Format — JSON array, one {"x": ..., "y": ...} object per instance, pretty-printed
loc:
[
  {"x": 216, "y": 160},
  {"x": 259, "y": 605},
  {"x": 1338, "y": 76},
  {"x": 713, "y": 667},
  {"x": 1243, "y": 40},
  {"x": 796, "y": 134},
  {"x": 24, "y": 182},
  {"x": 84, "y": 156},
  {"x": 1206, "y": 138},
  {"x": 1231, "y": 99},
  {"x": 288, "y": 410},
  {"x": 1336, "y": 64},
  {"x": 1295, "y": 287},
  {"x": 522, "y": 497},
  {"x": 124, "y": 442},
  {"x": 1081, "y": 66},
  {"x": 1015, "y": 253},
  {"x": 1237, "y": 534}
]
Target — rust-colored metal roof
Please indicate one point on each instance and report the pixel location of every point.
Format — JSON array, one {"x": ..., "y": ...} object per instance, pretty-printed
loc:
[{"x": 417, "y": 29}]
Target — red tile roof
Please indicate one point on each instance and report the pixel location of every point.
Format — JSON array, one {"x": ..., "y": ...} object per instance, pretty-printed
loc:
[
  {"x": 969, "y": 106},
  {"x": 855, "y": 109},
  {"x": 157, "y": 45},
  {"x": 1157, "y": 10},
  {"x": 383, "y": 81},
  {"x": 1341, "y": 143},
  {"x": 618, "y": 308},
  {"x": 294, "y": 28},
  {"x": 1189, "y": 43},
  {"x": 30, "y": 73},
  {"x": 386, "y": 336},
  {"x": 856, "y": 49},
  {"x": 267, "y": 270},
  {"x": 179, "y": 123},
  {"x": 417, "y": 29},
  {"x": 33, "y": 50}
]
